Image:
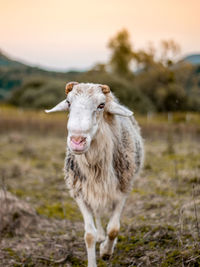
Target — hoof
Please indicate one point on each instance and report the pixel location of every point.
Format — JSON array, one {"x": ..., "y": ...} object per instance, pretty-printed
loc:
[
  {"x": 106, "y": 257},
  {"x": 105, "y": 252}
]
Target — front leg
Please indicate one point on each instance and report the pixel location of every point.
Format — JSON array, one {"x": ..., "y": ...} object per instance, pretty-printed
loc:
[
  {"x": 107, "y": 247},
  {"x": 100, "y": 231},
  {"x": 90, "y": 232}
]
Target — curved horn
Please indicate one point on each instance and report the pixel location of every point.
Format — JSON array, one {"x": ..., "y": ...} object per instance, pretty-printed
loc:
[
  {"x": 105, "y": 89},
  {"x": 69, "y": 87}
]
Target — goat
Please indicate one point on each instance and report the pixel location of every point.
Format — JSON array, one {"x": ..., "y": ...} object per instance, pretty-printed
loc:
[{"x": 104, "y": 155}]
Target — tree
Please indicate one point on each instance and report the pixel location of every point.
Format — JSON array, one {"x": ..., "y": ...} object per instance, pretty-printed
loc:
[
  {"x": 122, "y": 53},
  {"x": 169, "y": 50}
]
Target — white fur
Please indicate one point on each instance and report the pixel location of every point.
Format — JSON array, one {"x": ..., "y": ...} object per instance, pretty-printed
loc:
[{"x": 100, "y": 170}]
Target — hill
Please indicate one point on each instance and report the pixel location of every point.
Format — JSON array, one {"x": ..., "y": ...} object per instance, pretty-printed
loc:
[
  {"x": 193, "y": 59},
  {"x": 6, "y": 62},
  {"x": 160, "y": 87},
  {"x": 13, "y": 73}
]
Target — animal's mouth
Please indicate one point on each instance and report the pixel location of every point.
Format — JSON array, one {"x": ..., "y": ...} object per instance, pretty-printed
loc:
[{"x": 78, "y": 143}]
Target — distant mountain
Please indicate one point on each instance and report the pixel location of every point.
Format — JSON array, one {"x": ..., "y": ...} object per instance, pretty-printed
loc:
[
  {"x": 13, "y": 73},
  {"x": 193, "y": 59},
  {"x": 5, "y": 61}
]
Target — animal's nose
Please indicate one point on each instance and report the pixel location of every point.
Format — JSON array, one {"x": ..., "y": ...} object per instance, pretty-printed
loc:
[
  {"x": 78, "y": 128},
  {"x": 80, "y": 122}
]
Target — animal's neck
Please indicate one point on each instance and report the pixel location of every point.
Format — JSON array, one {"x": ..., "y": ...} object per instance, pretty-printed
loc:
[{"x": 101, "y": 149}]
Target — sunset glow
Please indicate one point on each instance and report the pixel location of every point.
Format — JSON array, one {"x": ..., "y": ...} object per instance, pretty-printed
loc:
[{"x": 66, "y": 34}]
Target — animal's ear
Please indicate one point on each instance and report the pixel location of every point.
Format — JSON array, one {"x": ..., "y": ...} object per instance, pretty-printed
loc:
[
  {"x": 117, "y": 109},
  {"x": 62, "y": 106},
  {"x": 69, "y": 86}
]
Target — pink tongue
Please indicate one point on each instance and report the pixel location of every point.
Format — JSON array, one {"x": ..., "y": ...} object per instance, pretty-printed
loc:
[
  {"x": 77, "y": 141},
  {"x": 77, "y": 144}
]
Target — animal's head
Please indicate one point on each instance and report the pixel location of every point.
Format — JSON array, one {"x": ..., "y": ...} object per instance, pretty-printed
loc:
[{"x": 87, "y": 104}]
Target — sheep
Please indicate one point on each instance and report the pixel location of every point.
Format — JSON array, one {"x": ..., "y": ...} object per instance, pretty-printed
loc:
[{"x": 104, "y": 155}]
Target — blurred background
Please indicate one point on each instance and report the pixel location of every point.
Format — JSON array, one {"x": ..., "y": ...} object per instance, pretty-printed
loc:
[{"x": 148, "y": 52}]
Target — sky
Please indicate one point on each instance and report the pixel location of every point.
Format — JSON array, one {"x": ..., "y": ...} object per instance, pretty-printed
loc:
[{"x": 63, "y": 34}]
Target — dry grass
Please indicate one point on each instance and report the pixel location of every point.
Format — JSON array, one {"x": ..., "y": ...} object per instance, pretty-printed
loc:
[{"x": 41, "y": 224}]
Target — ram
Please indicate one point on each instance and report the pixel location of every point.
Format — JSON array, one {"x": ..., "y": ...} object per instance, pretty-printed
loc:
[{"x": 104, "y": 155}]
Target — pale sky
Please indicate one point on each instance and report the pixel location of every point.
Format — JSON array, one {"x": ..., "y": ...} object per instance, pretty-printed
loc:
[{"x": 63, "y": 34}]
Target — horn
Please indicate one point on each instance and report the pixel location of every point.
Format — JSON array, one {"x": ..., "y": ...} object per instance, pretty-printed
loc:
[
  {"x": 69, "y": 87},
  {"x": 105, "y": 89}
]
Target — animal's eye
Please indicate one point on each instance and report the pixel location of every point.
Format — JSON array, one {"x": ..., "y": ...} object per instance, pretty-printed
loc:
[
  {"x": 69, "y": 104},
  {"x": 101, "y": 106}
]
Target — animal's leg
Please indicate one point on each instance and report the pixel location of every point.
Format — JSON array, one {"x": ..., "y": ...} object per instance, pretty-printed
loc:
[
  {"x": 90, "y": 232},
  {"x": 100, "y": 231},
  {"x": 107, "y": 247}
]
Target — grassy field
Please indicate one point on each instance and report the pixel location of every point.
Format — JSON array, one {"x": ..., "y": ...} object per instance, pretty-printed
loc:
[{"x": 40, "y": 224}]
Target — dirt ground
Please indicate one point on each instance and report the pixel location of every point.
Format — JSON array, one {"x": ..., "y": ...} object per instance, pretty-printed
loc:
[{"x": 40, "y": 225}]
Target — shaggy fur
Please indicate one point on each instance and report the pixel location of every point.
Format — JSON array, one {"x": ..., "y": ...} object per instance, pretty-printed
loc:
[
  {"x": 104, "y": 155},
  {"x": 108, "y": 169}
]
